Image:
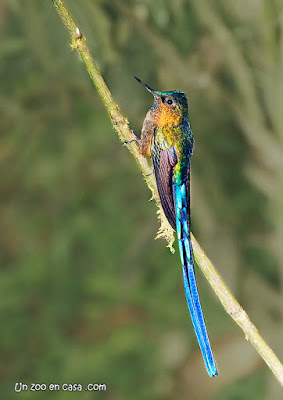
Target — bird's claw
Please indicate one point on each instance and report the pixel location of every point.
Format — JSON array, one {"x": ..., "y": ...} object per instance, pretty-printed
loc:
[
  {"x": 134, "y": 139},
  {"x": 152, "y": 169}
]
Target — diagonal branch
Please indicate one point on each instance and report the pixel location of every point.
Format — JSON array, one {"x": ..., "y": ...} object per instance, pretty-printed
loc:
[{"x": 121, "y": 125}]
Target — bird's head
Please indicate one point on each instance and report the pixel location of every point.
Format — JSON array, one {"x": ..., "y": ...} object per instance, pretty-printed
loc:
[{"x": 170, "y": 107}]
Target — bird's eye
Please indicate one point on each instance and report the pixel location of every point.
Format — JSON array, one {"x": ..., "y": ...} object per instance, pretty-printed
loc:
[{"x": 169, "y": 101}]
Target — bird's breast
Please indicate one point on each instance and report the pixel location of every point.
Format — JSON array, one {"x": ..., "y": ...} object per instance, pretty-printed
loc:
[{"x": 168, "y": 117}]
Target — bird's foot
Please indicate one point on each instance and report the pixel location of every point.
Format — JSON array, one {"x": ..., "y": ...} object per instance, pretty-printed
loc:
[
  {"x": 152, "y": 170},
  {"x": 134, "y": 138}
]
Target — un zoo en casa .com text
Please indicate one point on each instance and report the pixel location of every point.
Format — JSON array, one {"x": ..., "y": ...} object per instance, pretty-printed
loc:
[{"x": 53, "y": 387}]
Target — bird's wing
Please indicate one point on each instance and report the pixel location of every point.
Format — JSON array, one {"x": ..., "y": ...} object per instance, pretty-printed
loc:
[{"x": 164, "y": 159}]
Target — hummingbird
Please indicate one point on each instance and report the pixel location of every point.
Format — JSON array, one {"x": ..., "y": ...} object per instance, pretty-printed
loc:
[{"x": 166, "y": 138}]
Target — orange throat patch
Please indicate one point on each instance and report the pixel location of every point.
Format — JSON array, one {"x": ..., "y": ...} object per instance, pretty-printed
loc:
[{"x": 168, "y": 116}]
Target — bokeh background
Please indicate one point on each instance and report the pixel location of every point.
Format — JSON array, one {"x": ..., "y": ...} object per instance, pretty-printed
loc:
[{"x": 86, "y": 293}]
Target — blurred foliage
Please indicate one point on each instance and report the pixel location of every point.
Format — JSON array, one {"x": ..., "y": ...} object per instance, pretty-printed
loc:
[{"x": 87, "y": 294}]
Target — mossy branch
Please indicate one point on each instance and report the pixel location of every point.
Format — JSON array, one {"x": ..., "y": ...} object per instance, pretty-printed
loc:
[{"x": 121, "y": 125}]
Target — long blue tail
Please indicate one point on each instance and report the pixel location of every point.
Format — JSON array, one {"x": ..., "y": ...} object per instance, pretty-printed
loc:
[{"x": 186, "y": 253}]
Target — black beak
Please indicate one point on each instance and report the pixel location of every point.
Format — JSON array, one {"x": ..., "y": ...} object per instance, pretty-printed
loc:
[{"x": 153, "y": 92}]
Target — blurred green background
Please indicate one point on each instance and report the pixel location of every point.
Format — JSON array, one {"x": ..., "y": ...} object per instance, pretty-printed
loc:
[{"x": 86, "y": 293}]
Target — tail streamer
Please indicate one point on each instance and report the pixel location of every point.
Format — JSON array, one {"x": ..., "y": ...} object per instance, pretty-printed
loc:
[{"x": 186, "y": 254}]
